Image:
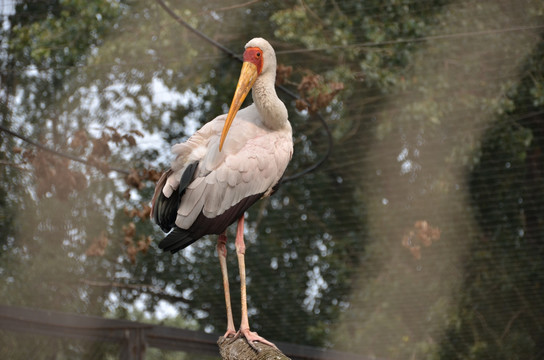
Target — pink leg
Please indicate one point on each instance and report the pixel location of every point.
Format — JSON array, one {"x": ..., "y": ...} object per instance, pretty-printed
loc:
[
  {"x": 222, "y": 253},
  {"x": 240, "y": 252}
]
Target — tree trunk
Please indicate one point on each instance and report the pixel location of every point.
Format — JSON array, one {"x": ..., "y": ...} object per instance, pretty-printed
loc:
[{"x": 239, "y": 349}]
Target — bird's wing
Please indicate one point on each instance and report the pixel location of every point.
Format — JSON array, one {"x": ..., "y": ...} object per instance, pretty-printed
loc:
[
  {"x": 252, "y": 161},
  {"x": 191, "y": 151},
  {"x": 225, "y": 179},
  {"x": 168, "y": 194}
]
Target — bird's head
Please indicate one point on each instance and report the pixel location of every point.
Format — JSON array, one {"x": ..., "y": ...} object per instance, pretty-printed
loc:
[{"x": 259, "y": 59}]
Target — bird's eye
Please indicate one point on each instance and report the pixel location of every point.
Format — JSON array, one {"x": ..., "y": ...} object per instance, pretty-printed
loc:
[{"x": 258, "y": 54}]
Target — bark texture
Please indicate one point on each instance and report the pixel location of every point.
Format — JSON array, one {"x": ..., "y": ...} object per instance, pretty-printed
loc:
[{"x": 239, "y": 349}]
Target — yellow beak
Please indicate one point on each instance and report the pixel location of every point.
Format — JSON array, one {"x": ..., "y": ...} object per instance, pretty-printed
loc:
[{"x": 245, "y": 82}]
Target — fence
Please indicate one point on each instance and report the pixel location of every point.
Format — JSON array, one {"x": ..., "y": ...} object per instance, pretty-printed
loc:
[{"x": 135, "y": 338}]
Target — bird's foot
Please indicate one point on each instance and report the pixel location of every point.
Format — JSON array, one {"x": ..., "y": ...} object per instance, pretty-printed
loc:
[
  {"x": 230, "y": 334},
  {"x": 251, "y": 337}
]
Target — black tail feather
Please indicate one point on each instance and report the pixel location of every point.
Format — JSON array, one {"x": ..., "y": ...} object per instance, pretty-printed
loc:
[
  {"x": 177, "y": 239},
  {"x": 187, "y": 176},
  {"x": 165, "y": 210}
]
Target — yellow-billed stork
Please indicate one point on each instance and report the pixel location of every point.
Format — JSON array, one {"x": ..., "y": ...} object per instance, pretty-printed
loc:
[{"x": 214, "y": 179}]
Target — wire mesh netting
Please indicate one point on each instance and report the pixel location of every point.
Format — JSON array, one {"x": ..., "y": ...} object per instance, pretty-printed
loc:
[
  {"x": 420, "y": 236},
  {"x": 46, "y": 347}
]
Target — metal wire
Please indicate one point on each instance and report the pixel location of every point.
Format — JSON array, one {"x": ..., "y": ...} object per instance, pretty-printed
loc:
[{"x": 288, "y": 92}]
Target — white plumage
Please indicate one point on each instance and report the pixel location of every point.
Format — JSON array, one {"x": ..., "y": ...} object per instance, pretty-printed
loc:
[
  {"x": 214, "y": 179},
  {"x": 253, "y": 159},
  {"x": 252, "y": 162}
]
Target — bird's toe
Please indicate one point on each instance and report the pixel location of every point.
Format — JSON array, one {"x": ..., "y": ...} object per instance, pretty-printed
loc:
[{"x": 253, "y": 337}]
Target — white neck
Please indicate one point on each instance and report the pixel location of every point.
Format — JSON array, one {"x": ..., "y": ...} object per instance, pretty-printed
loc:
[{"x": 269, "y": 105}]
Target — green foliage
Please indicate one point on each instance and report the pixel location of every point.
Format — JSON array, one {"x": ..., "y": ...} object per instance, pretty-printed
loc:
[
  {"x": 58, "y": 33},
  {"x": 502, "y": 304},
  {"x": 439, "y": 120}
]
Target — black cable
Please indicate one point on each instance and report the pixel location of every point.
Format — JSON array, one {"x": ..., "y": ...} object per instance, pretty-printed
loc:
[
  {"x": 231, "y": 54},
  {"x": 280, "y": 87},
  {"x": 58, "y": 153},
  {"x": 320, "y": 161},
  {"x": 198, "y": 33}
]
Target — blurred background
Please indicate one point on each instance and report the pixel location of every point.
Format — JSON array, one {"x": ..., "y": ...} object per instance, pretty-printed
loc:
[{"x": 420, "y": 237}]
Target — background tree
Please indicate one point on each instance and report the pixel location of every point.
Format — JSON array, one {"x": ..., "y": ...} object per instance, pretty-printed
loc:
[{"x": 419, "y": 238}]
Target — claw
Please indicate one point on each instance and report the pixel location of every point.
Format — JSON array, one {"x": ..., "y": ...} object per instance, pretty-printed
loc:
[
  {"x": 234, "y": 338},
  {"x": 229, "y": 334},
  {"x": 252, "y": 337},
  {"x": 250, "y": 343}
]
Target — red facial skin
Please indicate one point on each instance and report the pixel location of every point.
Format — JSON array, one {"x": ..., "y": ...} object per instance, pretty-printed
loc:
[{"x": 254, "y": 55}]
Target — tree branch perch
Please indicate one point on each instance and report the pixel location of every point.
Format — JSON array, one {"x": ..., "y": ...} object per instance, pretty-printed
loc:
[{"x": 239, "y": 349}]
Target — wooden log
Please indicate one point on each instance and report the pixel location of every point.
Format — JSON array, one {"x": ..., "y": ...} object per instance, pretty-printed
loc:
[{"x": 239, "y": 349}]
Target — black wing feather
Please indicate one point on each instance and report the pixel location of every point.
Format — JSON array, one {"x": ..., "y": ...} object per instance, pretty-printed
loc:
[
  {"x": 181, "y": 238},
  {"x": 177, "y": 239},
  {"x": 165, "y": 213},
  {"x": 165, "y": 209}
]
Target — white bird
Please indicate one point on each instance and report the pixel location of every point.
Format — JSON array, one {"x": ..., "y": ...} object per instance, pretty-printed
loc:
[{"x": 214, "y": 179}]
